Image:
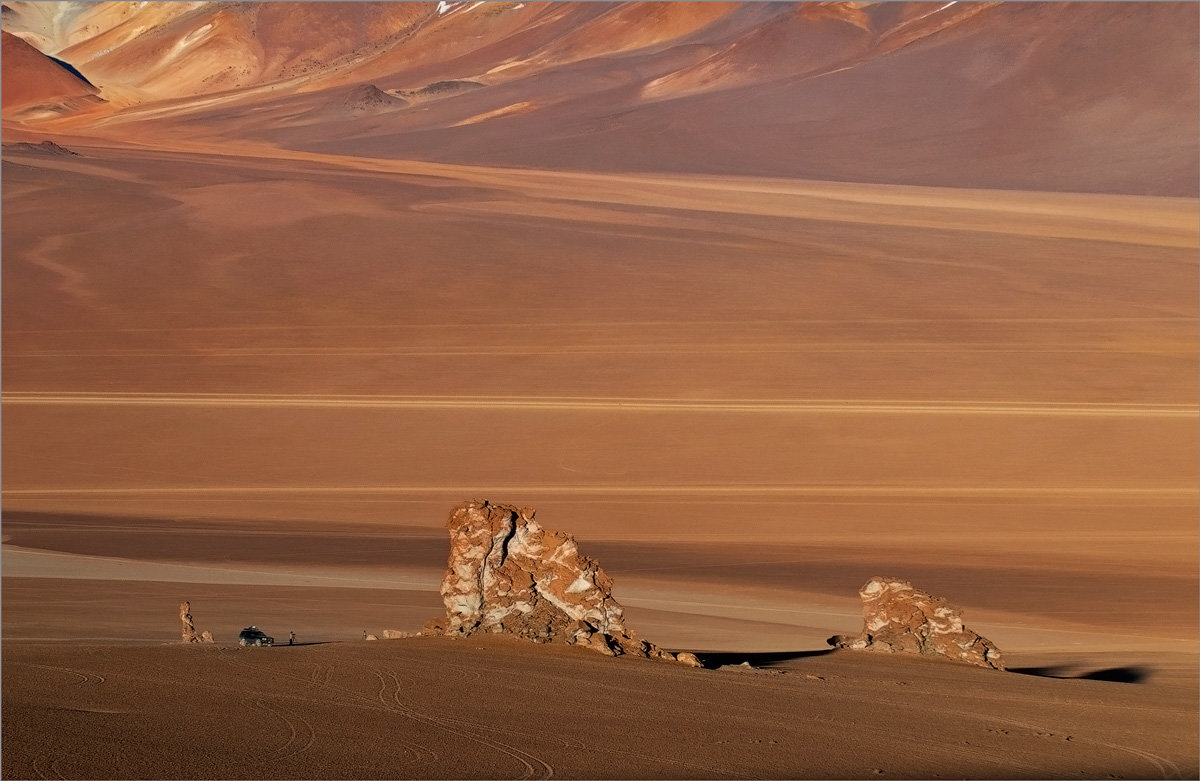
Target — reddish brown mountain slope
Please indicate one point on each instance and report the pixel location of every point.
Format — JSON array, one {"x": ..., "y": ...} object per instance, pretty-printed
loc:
[
  {"x": 1044, "y": 96},
  {"x": 32, "y": 78}
]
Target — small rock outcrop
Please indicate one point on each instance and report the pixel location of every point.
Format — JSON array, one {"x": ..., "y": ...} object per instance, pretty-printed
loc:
[
  {"x": 508, "y": 575},
  {"x": 44, "y": 148},
  {"x": 897, "y": 617},
  {"x": 369, "y": 99},
  {"x": 441, "y": 89},
  {"x": 189, "y": 627}
]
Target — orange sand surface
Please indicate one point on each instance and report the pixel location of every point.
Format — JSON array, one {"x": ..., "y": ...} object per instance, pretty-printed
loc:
[{"x": 258, "y": 380}]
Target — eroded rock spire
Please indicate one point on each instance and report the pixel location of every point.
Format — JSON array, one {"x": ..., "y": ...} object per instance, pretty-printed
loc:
[{"x": 189, "y": 627}]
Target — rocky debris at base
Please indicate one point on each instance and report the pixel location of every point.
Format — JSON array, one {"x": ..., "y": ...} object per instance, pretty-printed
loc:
[
  {"x": 899, "y": 618},
  {"x": 189, "y": 627},
  {"x": 507, "y": 575},
  {"x": 397, "y": 634},
  {"x": 370, "y": 637}
]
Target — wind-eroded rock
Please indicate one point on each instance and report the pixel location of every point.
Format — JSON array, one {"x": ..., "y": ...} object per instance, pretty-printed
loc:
[
  {"x": 506, "y": 574},
  {"x": 189, "y": 627},
  {"x": 900, "y": 618}
]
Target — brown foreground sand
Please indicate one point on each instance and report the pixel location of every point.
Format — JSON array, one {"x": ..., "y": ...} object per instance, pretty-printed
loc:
[
  {"x": 96, "y": 685},
  {"x": 497, "y": 708}
]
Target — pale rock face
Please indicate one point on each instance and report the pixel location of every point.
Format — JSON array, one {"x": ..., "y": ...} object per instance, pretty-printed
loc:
[
  {"x": 900, "y": 618},
  {"x": 189, "y": 627},
  {"x": 206, "y": 636},
  {"x": 508, "y": 575},
  {"x": 396, "y": 634}
]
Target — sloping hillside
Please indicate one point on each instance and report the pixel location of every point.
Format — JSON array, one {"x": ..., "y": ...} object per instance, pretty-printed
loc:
[
  {"x": 1063, "y": 96},
  {"x": 32, "y": 79}
]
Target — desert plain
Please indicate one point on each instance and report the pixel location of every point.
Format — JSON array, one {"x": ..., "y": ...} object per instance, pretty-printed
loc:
[{"x": 253, "y": 367}]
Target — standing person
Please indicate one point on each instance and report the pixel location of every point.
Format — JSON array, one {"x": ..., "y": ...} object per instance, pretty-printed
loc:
[{"x": 292, "y": 638}]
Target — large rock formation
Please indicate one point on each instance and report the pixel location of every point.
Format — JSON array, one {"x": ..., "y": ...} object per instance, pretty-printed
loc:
[
  {"x": 898, "y": 617},
  {"x": 506, "y": 574},
  {"x": 189, "y": 627}
]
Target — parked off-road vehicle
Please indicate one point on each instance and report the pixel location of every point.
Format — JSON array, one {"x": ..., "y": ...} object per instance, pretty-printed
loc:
[{"x": 252, "y": 635}]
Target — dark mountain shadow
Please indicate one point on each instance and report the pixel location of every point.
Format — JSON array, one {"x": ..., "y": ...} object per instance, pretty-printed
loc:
[
  {"x": 69, "y": 68},
  {"x": 1128, "y": 674},
  {"x": 713, "y": 659}
]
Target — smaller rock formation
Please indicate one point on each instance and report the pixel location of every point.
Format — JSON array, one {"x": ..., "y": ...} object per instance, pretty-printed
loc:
[
  {"x": 441, "y": 89},
  {"x": 369, "y": 99},
  {"x": 897, "y": 617},
  {"x": 396, "y": 634},
  {"x": 189, "y": 627},
  {"x": 508, "y": 575}
]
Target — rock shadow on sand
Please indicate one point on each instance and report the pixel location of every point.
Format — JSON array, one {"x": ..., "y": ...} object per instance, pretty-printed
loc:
[
  {"x": 1128, "y": 674},
  {"x": 711, "y": 660}
]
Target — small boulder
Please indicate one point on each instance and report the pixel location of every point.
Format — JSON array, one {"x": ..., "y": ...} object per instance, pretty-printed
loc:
[
  {"x": 434, "y": 626},
  {"x": 395, "y": 634}
]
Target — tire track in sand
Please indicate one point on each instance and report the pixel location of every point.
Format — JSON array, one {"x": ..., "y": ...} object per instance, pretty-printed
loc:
[
  {"x": 706, "y": 770},
  {"x": 37, "y": 762},
  {"x": 321, "y": 678},
  {"x": 530, "y": 762},
  {"x": 45, "y": 765},
  {"x": 85, "y": 677},
  {"x": 295, "y": 726},
  {"x": 1166, "y": 768}
]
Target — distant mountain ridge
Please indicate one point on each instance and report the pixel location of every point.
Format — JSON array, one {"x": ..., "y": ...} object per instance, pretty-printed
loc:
[{"x": 1067, "y": 96}]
